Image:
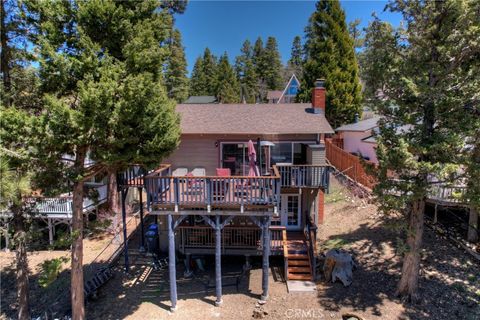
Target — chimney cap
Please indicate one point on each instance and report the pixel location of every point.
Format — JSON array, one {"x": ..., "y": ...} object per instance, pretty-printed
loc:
[{"x": 320, "y": 83}]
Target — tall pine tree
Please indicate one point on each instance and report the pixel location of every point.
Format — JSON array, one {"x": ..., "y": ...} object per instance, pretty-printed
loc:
[
  {"x": 272, "y": 64},
  {"x": 204, "y": 75},
  {"x": 330, "y": 55},
  {"x": 426, "y": 83},
  {"x": 295, "y": 63},
  {"x": 228, "y": 90},
  {"x": 176, "y": 80},
  {"x": 104, "y": 97},
  {"x": 246, "y": 73}
]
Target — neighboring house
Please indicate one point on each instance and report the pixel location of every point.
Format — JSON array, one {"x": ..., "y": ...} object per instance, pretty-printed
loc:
[
  {"x": 359, "y": 138},
  {"x": 207, "y": 203},
  {"x": 286, "y": 95},
  {"x": 201, "y": 100}
]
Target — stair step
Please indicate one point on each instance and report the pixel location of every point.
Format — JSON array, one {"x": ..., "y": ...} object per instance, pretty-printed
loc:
[
  {"x": 298, "y": 263},
  {"x": 298, "y": 256},
  {"x": 298, "y": 269},
  {"x": 294, "y": 276}
]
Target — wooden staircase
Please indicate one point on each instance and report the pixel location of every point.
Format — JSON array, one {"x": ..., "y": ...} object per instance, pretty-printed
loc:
[{"x": 297, "y": 259}]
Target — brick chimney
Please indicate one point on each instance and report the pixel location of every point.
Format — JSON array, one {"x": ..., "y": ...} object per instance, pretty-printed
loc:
[{"x": 318, "y": 96}]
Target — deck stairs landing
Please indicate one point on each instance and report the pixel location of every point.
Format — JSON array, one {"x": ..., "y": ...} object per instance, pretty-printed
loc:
[{"x": 297, "y": 259}]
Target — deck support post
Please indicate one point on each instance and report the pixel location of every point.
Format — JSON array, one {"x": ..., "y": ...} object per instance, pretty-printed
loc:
[
  {"x": 435, "y": 214},
  {"x": 50, "y": 232},
  {"x": 218, "y": 260},
  {"x": 472, "y": 235},
  {"x": 142, "y": 245},
  {"x": 124, "y": 223},
  {"x": 171, "y": 264},
  {"x": 266, "y": 257}
]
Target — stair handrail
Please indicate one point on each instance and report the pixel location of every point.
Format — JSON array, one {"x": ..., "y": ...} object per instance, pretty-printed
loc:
[
  {"x": 285, "y": 252},
  {"x": 309, "y": 231}
]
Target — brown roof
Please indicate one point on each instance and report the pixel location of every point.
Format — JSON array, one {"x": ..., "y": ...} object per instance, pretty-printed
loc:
[
  {"x": 294, "y": 118},
  {"x": 274, "y": 94}
]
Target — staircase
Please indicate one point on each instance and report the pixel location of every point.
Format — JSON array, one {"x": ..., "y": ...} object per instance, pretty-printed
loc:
[{"x": 297, "y": 259}]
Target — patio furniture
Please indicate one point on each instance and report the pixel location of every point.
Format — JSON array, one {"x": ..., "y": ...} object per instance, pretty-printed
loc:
[
  {"x": 199, "y": 172},
  {"x": 180, "y": 172},
  {"x": 220, "y": 186}
]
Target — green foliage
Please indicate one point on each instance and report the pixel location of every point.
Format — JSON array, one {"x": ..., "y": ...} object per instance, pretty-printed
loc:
[
  {"x": 204, "y": 80},
  {"x": 426, "y": 134},
  {"x": 176, "y": 80},
  {"x": 228, "y": 90},
  {"x": 49, "y": 271},
  {"x": 329, "y": 54},
  {"x": 246, "y": 73},
  {"x": 272, "y": 65},
  {"x": 102, "y": 83},
  {"x": 295, "y": 64},
  {"x": 334, "y": 243}
]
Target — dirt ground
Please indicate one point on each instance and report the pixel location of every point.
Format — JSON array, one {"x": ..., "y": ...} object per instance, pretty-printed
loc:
[{"x": 449, "y": 284}]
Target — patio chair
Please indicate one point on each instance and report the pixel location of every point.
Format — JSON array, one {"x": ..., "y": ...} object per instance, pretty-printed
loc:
[
  {"x": 220, "y": 186},
  {"x": 196, "y": 186},
  {"x": 180, "y": 172}
]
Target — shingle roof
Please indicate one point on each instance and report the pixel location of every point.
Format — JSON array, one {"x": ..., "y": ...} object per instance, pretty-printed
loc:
[
  {"x": 362, "y": 125},
  {"x": 201, "y": 99},
  {"x": 295, "y": 118}
]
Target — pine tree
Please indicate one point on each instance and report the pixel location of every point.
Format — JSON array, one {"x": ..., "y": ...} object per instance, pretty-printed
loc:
[
  {"x": 246, "y": 74},
  {"x": 330, "y": 55},
  {"x": 176, "y": 80},
  {"x": 228, "y": 90},
  {"x": 272, "y": 74},
  {"x": 295, "y": 64},
  {"x": 424, "y": 85},
  {"x": 204, "y": 75},
  {"x": 197, "y": 80},
  {"x": 104, "y": 96},
  {"x": 209, "y": 66}
]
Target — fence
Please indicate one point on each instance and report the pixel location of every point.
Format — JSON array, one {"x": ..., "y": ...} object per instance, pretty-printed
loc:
[{"x": 349, "y": 164}]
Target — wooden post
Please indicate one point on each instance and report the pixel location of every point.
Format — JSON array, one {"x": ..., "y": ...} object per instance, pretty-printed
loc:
[
  {"x": 266, "y": 257},
  {"x": 435, "y": 214},
  {"x": 50, "y": 232},
  {"x": 142, "y": 245},
  {"x": 171, "y": 263},
  {"x": 321, "y": 206},
  {"x": 124, "y": 220},
  {"x": 473, "y": 225},
  {"x": 218, "y": 261}
]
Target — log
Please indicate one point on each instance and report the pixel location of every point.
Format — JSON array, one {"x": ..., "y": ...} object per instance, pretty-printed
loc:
[{"x": 338, "y": 266}]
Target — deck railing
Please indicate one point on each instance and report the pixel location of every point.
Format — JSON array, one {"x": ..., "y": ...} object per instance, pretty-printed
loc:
[
  {"x": 134, "y": 174},
  {"x": 233, "y": 238},
  {"x": 165, "y": 191},
  {"x": 63, "y": 205},
  {"x": 454, "y": 194},
  {"x": 302, "y": 176}
]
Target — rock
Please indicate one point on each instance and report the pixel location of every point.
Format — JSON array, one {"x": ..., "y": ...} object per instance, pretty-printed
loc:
[
  {"x": 259, "y": 313},
  {"x": 338, "y": 265}
]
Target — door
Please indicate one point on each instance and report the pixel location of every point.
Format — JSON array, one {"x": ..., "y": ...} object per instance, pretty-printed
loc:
[{"x": 290, "y": 211}]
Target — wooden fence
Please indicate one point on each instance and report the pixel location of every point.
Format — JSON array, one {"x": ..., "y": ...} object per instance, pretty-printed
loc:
[{"x": 349, "y": 164}]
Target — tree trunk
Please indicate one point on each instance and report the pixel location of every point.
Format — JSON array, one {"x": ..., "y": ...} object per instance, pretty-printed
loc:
[
  {"x": 5, "y": 54},
  {"x": 472, "y": 235},
  {"x": 78, "y": 306},
  {"x": 22, "y": 264},
  {"x": 113, "y": 201},
  {"x": 411, "y": 263}
]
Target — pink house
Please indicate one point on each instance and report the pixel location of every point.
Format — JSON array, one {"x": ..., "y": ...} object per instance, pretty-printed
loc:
[{"x": 359, "y": 138}]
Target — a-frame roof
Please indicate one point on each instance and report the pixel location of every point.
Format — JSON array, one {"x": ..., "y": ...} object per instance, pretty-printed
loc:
[{"x": 288, "y": 85}]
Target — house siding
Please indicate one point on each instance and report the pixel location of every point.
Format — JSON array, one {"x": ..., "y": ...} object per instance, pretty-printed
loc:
[
  {"x": 197, "y": 151},
  {"x": 352, "y": 142}
]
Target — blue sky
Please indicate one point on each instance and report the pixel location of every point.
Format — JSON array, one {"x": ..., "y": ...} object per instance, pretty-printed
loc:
[{"x": 224, "y": 25}]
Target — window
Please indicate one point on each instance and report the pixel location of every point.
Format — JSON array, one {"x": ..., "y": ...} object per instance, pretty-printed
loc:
[{"x": 282, "y": 153}]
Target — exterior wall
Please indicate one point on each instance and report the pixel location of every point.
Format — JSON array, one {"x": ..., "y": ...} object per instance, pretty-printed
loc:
[
  {"x": 352, "y": 142},
  {"x": 204, "y": 151}
]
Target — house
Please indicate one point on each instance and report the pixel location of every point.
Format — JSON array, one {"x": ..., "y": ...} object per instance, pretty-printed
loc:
[
  {"x": 208, "y": 204},
  {"x": 287, "y": 95},
  {"x": 201, "y": 99},
  {"x": 358, "y": 138}
]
